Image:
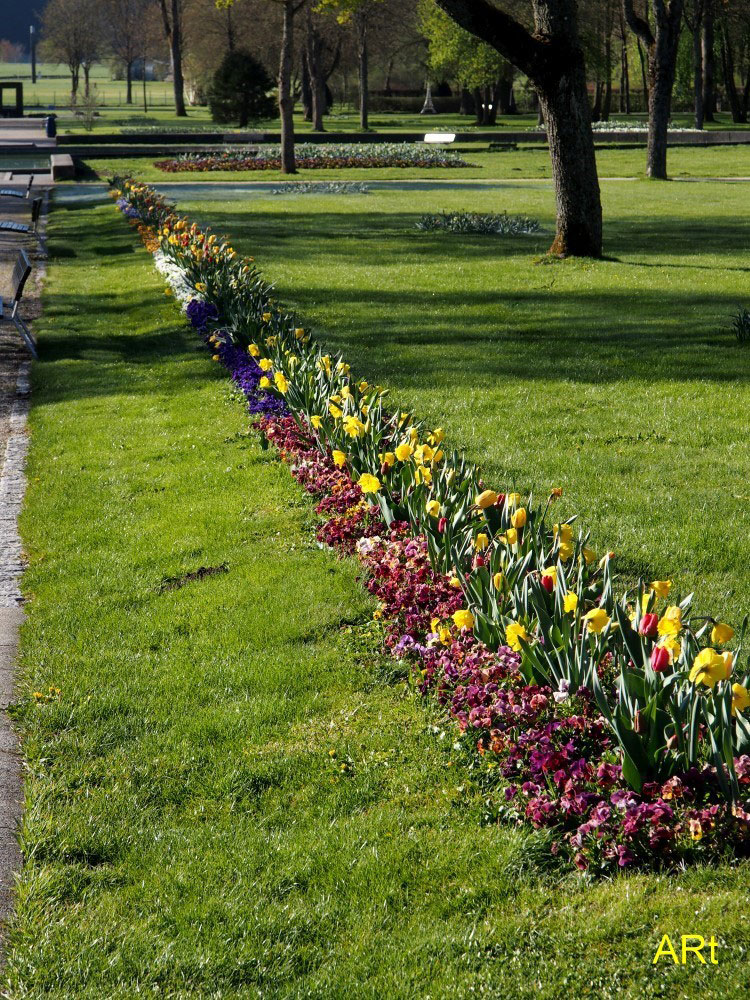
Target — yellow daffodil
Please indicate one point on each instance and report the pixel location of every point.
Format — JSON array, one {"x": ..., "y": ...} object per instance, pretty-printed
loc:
[
  {"x": 253, "y": 350},
  {"x": 353, "y": 426},
  {"x": 265, "y": 364},
  {"x": 404, "y": 451},
  {"x": 672, "y": 646},
  {"x": 455, "y": 583},
  {"x": 566, "y": 551},
  {"x": 671, "y": 621},
  {"x": 281, "y": 383},
  {"x": 265, "y": 382},
  {"x": 588, "y": 554},
  {"x": 363, "y": 386},
  {"x": 481, "y": 541},
  {"x": 388, "y": 459},
  {"x": 433, "y": 508},
  {"x": 596, "y": 620},
  {"x": 661, "y": 587},
  {"x": 339, "y": 458},
  {"x": 316, "y": 421},
  {"x": 369, "y": 484},
  {"x": 721, "y": 634},
  {"x": 266, "y": 317},
  {"x": 486, "y": 499},
  {"x": 518, "y": 518},
  {"x": 463, "y": 619},
  {"x": 709, "y": 667},
  {"x": 514, "y": 633},
  {"x": 437, "y": 436},
  {"x": 342, "y": 367},
  {"x": 570, "y": 603},
  {"x": 335, "y": 411},
  {"x": 299, "y": 333},
  {"x": 740, "y": 698},
  {"x": 565, "y": 531},
  {"x": 215, "y": 357}
]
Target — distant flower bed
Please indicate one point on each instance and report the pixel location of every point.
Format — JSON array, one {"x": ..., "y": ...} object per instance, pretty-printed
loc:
[
  {"x": 618, "y": 125},
  {"x": 473, "y": 222},
  {"x": 323, "y": 187},
  {"x": 617, "y": 723},
  {"x": 311, "y": 156}
]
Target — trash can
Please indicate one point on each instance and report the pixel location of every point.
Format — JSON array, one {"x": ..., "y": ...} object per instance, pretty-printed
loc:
[{"x": 51, "y": 123}]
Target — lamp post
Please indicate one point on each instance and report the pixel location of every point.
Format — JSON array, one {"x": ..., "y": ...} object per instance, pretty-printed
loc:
[{"x": 32, "y": 46}]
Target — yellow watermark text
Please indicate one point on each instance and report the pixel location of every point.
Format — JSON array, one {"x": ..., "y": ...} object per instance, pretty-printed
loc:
[{"x": 693, "y": 945}]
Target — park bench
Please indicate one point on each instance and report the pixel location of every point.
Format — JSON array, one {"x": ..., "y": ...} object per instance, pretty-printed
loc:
[
  {"x": 16, "y": 192},
  {"x": 8, "y": 226},
  {"x": 21, "y": 272}
]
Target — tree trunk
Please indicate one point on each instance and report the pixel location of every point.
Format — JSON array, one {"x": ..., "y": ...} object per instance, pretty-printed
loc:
[
  {"x": 74, "y": 77},
  {"x": 697, "y": 29},
  {"x": 596, "y": 111},
  {"x": 317, "y": 82},
  {"x": 707, "y": 49},
  {"x": 644, "y": 75},
  {"x": 624, "y": 77},
  {"x": 306, "y": 90},
  {"x": 362, "y": 64},
  {"x": 176, "y": 55},
  {"x": 286, "y": 99},
  {"x": 478, "y": 106},
  {"x": 730, "y": 85},
  {"x": 465, "y": 107},
  {"x": 607, "y": 101},
  {"x": 86, "y": 82},
  {"x": 129, "y": 82}
]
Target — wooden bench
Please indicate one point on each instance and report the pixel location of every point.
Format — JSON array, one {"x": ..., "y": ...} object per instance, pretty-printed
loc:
[
  {"x": 8, "y": 226},
  {"x": 16, "y": 192},
  {"x": 21, "y": 272}
]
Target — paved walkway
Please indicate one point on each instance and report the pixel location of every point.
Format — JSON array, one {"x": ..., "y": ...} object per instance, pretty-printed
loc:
[{"x": 14, "y": 401}]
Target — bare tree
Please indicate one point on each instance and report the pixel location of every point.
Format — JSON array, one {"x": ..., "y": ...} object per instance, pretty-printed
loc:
[
  {"x": 322, "y": 53},
  {"x": 694, "y": 11},
  {"x": 661, "y": 43},
  {"x": 552, "y": 58},
  {"x": 125, "y": 26},
  {"x": 172, "y": 13},
  {"x": 71, "y": 34}
]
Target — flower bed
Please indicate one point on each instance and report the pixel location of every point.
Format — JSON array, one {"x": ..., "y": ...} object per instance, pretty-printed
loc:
[
  {"x": 616, "y": 723},
  {"x": 312, "y": 156},
  {"x": 494, "y": 224}
]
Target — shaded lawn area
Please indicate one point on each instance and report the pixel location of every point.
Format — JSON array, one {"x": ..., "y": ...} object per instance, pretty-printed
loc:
[
  {"x": 526, "y": 161},
  {"x": 188, "y": 832},
  {"x": 618, "y": 380}
]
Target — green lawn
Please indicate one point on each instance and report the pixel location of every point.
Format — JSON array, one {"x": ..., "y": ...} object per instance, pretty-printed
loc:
[
  {"x": 187, "y": 831},
  {"x": 525, "y": 162}
]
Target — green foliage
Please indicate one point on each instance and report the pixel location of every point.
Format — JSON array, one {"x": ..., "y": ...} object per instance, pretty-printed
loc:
[
  {"x": 455, "y": 53},
  {"x": 239, "y": 90},
  {"x": 741, "y": 325},
  {"x": 500, "y": 224}
]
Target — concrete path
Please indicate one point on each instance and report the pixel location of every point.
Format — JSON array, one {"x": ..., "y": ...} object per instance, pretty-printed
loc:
[{"x": 14, "y": 403}]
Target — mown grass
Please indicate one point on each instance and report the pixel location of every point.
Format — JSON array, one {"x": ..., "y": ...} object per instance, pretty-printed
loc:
[
  {"x": 525, "y": 162},
  {"x": 187, "y": 831}
]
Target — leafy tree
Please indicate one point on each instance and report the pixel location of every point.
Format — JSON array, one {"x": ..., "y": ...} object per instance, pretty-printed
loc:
[{"x": 239, "y": 90}]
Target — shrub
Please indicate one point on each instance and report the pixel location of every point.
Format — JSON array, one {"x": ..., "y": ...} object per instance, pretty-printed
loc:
[
  {"x": 239, "y": 90},
  {"x": 473, "y": 222},
  {"x": 741, "y": 325}
]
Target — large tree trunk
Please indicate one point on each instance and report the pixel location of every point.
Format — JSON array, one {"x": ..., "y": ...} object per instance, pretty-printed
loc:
[
  {"x": 697, "y": 28},
  {"x": 661, "y": 44},
  {"x": 553, "y": 60},
  {"x": 315, "y": 72},
  {"x": 707, "y": 48},
  {"x": 286, "y": 99},
  {"x": 363, "y": 70}
]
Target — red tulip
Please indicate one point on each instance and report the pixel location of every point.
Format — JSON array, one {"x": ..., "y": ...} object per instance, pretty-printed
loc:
[
  {"x": 649, "y": 626},
  {"x": 660, "y": 659},
  {"x": 548, "y": 583},
  {"x": 442, "y": 523}
]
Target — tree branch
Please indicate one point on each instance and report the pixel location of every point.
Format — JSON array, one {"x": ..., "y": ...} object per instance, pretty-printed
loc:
[
  {"x": 481, "y": 19},
  {"x": 640, "y": 27}
]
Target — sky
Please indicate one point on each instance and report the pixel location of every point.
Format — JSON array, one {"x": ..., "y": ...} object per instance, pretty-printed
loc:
[{"x": 16, "y": 16}]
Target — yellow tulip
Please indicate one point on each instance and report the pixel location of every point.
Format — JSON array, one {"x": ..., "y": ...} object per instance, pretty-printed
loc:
[
  {"x": 497, "y": 579},
  {"x": 514, "y": 633},
  {"x": 486, "y": 499},
  {"x": 671, "y": 621},
  {"x": 299, "y": 333},
  {"x": 596, "y": 620},
  {"x": 518, "y": 518},
  {"x": 339, "y": 458},
  {"x": 463, "y": 618},
  {"x": 740, "y": 698},
  {"x": 551, "y": 571},
  {"x": 455, "y": 583},
  {"x": 369, "y": 484},
  {"x": 481, "y": 541},
  {"x": 513, "y": 499},
  {"x": 570, "y": 602},
  {"x": 433, "y": 508},
  {"x": 721, "y": 634},
  {"x": 661, "y": 587},
  {"x": 510, "y": 537},
  {"x": 709, "y": 667}
]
